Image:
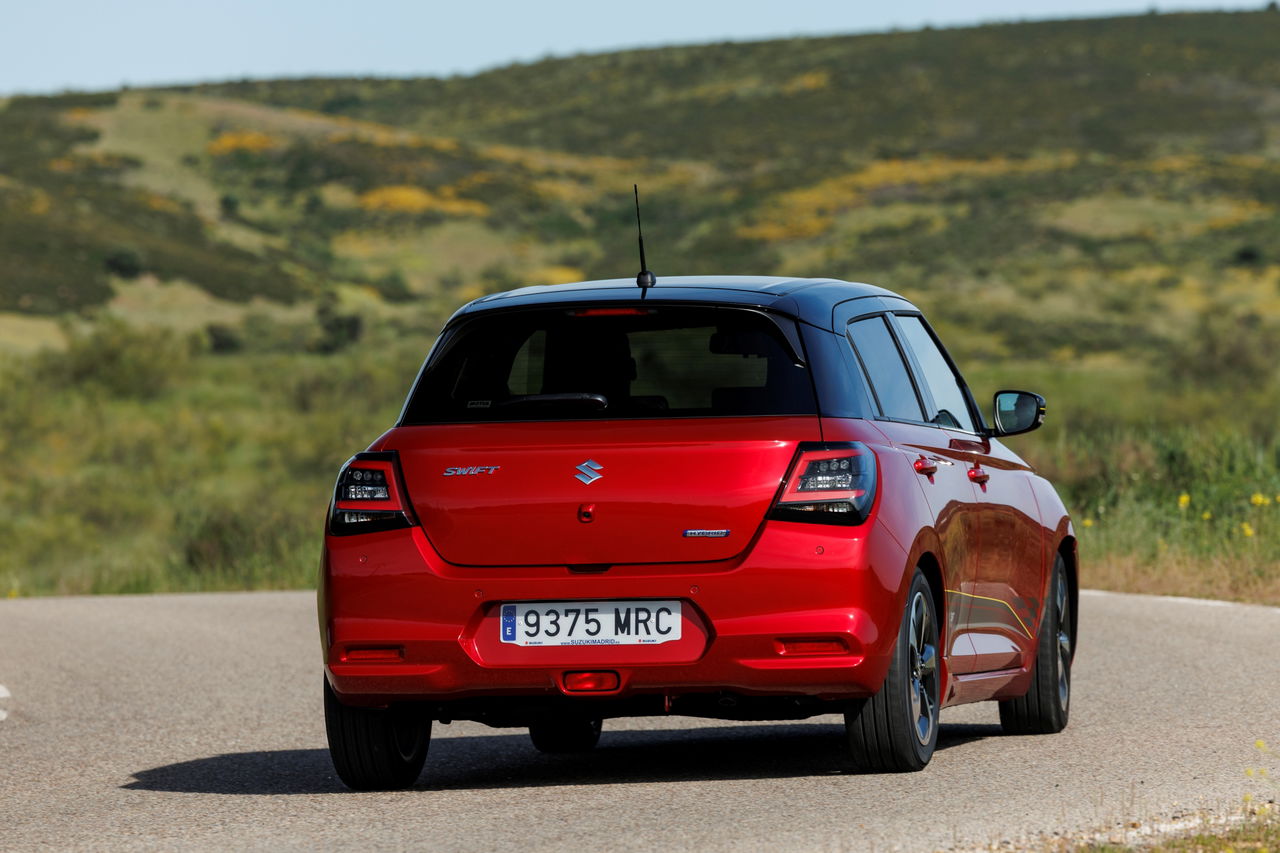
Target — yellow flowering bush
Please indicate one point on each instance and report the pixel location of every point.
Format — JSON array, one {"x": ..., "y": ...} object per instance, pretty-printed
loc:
[
  {"x": 808, "y": 82},
  {"x": 556, "y": 274},
  {"x": 809, "y": 211},
  {"x": 252, "y": 141},
  {"x": 409, "y": 199}
]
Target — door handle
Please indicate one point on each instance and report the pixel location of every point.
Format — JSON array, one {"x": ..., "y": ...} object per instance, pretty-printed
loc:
[
  {"x": 977, "y": 475},
  {"x": 924, "y": 466}
]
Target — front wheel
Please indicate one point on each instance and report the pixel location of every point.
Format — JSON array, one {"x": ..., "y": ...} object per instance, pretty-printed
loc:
[
  {"x": 375, "y": 749},
  {"x": 1045, "y": 706},
  {"x": 896, "y": 730}
]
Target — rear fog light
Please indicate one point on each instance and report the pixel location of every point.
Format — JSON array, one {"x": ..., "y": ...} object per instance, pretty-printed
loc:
[
  {"x": 389, "y": 654},
  {"x": 813, "y": 646},
  {"x": 590, "y": 682}
]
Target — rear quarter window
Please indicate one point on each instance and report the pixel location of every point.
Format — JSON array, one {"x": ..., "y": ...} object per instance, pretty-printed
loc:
[
  {"x": 890, "y": 379},
  {"x": 569, "y": 363},
  {"x": 950, "y": 408}
]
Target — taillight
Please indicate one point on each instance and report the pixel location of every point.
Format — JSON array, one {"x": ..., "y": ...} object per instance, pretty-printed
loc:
[
  {"x": 369, "y": 496},
  {"x": 829, "y": 484}
]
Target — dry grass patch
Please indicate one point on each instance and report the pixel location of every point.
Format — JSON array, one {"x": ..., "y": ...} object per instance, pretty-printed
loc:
[
  {"x": 1260, "y": 833},
  {"x": 158, "y": 132},
  {"x": 1109, "y": 216},
  {"x": 453, "y": 250},
  {"x": 1221, "y": 577},
  {"x": 27, "y": 333},
  {"x": 185, "y": 307}
]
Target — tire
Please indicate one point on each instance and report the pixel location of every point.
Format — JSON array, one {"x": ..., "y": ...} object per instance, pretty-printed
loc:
[
  {"x": 558, "y": 737},
  {"x": 374, "y": 749},
  {"x": 1045, "y": 706},
  {"x": 896, "y": 730}
]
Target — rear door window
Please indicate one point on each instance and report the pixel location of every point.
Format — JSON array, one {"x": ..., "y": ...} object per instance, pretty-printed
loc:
[
  {"x": 886, "y": 370},
  {"x": 567, "y": 363},
  {"x": 950, "y": 405}
]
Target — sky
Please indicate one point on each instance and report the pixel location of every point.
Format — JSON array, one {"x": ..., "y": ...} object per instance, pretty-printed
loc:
[{"x": 55, "y": 45}]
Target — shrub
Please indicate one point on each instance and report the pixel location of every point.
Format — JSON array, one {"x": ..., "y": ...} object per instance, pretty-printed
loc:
[
  {"x": 1247, "y": 256},
  {"x": 124, "y": 262},
  {"x": 393, "y": 288},
  {"x": 229, "y": 206},
  {"x": 262, "y": 333},
  {"x": 1228, "y": 347},
  {"x": 212, "y": 537},
  {"x": 337, "y": 330},
  {"x": 118, "y": 359},
  {"x": 343, "y": 102},
  {"x": 223, "y": 338},
  {"x": 222, "y": 542}
]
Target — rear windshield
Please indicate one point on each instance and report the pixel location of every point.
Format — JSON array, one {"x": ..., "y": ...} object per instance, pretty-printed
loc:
[{"x": 604, "y": 363}]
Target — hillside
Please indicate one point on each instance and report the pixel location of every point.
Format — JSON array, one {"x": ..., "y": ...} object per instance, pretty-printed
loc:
[
  {"x": 1155, "y": 84},
  {"x": 1112, "y": 167},
  {"x": 221, "y": 286}
]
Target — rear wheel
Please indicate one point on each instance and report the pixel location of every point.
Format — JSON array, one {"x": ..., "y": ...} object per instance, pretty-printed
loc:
[
  {"x": 897, "y": 729},
  {"x": 375, "y": 749},
  {"x": 566, "y": 735},
  {"x": 1045, "y": 706}
]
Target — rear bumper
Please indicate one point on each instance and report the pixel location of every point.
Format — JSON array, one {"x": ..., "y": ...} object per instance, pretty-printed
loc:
[{"x": 392, "y": 591}]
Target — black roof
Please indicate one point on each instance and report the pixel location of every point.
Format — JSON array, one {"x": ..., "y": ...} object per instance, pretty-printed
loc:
[{"x": 809, "y": 299}]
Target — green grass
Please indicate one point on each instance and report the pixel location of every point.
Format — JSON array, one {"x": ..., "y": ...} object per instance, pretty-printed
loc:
[
  {"x": 1083, "y": 208},
  {"x": 140, "y": 460}
]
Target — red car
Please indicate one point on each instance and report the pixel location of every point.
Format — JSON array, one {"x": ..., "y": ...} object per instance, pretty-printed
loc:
[{"x": 736, "y": 498}]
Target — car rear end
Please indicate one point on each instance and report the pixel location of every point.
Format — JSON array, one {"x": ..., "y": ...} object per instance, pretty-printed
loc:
[{"x": 616, "y": 508}]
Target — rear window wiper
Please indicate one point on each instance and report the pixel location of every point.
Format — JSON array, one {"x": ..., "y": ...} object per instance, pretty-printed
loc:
[{"x": 589, "y": 401}]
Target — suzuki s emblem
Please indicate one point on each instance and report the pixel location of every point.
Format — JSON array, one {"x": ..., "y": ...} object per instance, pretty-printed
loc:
[{"x": 588, "y": 471}]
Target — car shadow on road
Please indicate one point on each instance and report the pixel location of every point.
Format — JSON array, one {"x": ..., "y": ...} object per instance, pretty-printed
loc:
[{"x": 510, "y": 761}]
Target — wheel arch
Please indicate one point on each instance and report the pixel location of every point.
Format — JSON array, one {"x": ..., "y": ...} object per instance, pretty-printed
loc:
[
  {"x": 932, "y": 570},
  {"x": 1069, "y": 552}
]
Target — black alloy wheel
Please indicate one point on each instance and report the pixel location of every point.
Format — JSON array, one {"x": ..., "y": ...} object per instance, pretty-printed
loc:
[
  {"x": 1045, "y": 707},
  {"x": 896, "y": 730}
]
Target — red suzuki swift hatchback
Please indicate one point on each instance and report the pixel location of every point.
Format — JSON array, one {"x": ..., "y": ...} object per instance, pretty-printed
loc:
[{"x": 736, "y": 498}]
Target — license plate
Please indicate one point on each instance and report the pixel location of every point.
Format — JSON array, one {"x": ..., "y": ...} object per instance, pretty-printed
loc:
[{"x": 590, "y": 623}]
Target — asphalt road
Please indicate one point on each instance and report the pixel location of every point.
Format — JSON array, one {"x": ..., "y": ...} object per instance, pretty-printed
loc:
[{"x": 167, "y": 722}]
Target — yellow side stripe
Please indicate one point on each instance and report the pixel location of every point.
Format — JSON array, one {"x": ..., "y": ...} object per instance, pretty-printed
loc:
[{"x": 1030, "y": 636}]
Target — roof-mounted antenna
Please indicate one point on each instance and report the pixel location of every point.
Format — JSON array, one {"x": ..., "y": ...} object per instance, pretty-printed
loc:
[{"x": 645, "y": 279}]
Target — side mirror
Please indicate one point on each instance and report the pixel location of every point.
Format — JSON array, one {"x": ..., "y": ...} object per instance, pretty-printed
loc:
[{"x": 1018, "y": 412}]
